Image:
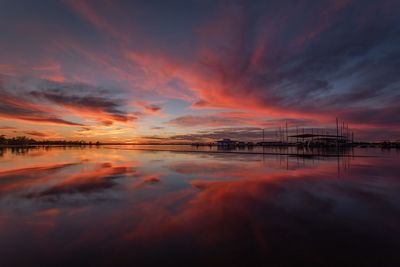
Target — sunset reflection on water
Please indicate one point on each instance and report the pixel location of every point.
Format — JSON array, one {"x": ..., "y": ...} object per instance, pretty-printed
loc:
[{"x": 114, "y": 206}]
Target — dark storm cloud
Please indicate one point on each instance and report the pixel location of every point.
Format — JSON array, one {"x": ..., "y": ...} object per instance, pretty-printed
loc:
[
  {"x": 104, "y": 104},
  {"x": 86, "y": 101},
  {"x": 304, "y": 59},
  {"x": 321, "y": 58},
  {"x": 15, "y": 108}
]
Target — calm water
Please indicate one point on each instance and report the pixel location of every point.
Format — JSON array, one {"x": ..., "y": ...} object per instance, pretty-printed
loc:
[{"x": 116, "y": 206}]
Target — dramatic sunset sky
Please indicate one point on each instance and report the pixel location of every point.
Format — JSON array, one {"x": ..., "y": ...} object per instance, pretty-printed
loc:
[{"x": 158, "y": 71}]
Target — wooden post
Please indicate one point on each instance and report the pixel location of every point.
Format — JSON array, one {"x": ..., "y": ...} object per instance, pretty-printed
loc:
[
  {"x": 287, "y": 134},
  {"x": 337, "y": 132},
  {"x": 342, "y": 130},
  {"x": 312, "y": 134},
  {"x": 263, "y": 135}
]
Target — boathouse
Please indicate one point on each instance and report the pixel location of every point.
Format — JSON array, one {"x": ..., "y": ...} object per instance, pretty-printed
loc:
[{"x": 226, "y": 143}]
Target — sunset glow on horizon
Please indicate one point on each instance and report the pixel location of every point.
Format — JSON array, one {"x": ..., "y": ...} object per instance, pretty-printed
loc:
[{"x": 191, "y": 71}]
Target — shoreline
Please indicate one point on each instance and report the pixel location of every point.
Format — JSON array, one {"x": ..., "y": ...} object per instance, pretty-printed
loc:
[
  {"x": 244, "y": 152},
  {"x": 110, "y": 146}
]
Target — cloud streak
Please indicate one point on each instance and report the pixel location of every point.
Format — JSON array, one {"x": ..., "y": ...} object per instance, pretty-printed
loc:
[
  {"x": 12, "y": 108},
  {"x": 93, "y": 106},
  {"x": 310, "y": 61}
]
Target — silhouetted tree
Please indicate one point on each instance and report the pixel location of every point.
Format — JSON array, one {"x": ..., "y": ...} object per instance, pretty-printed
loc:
[
  {"x": 3, "y": 140},
  {"x": 24, "y": 141}
]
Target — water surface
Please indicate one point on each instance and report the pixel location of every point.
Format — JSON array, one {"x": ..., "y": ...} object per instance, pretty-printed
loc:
[{"x": 113, "y": 206}]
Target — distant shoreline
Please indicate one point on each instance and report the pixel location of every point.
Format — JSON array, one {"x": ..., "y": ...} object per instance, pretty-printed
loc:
[
  {"x": 109, "y": 146},
  {"x": 244, "y": 152},
  {"x": 356, "y": 144}
]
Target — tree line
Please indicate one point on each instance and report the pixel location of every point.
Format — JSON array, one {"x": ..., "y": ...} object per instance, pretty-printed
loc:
[{"x": 25, "y": 141}]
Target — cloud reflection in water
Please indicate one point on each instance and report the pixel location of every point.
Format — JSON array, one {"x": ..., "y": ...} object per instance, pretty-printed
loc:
[{"x": 110, "y": 207}]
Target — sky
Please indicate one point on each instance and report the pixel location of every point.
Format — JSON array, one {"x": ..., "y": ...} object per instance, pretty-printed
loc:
[{"x": 198, "y": 70}]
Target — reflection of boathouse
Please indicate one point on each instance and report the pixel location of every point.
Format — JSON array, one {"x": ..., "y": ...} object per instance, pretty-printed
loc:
[
  {"x": 226, "y": 143},
  {"x": 321, "y": 139}
]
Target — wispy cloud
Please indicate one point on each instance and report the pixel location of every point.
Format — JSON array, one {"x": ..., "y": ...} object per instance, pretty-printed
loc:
[{"x": 308, "y": 61}]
